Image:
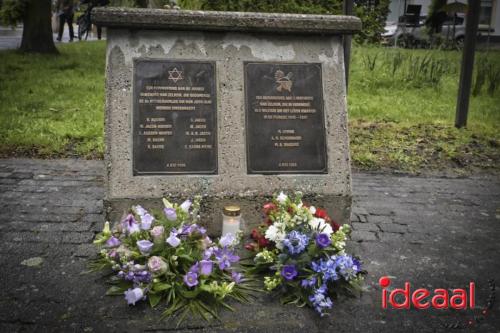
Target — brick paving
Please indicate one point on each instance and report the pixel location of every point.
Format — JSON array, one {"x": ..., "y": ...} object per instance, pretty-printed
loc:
[{"x": 433, "y": 232}]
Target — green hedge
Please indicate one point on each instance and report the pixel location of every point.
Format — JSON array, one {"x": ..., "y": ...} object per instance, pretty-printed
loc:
[{"x": 373, "y": 14}]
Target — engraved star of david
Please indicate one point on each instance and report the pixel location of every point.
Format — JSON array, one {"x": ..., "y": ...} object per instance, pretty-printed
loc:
[{"x": 175, "y": 75}]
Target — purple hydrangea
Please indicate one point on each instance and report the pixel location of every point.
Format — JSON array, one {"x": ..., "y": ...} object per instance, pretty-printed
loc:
[
  {"x": 289, "y": 272},
  {"x": 136, "y": 277},
  {"x": 114, "y": 254},
  {"x": 173, "y": 240},
  {"x": 188, "y": 229},
  {"x": 195, "y": 268},
  {"x": 145, "y": 246},
  {"x": 170, "y": 214},
  {"x": 186, "y": 205},
  {"x": 236, "y": 277},
  {"x": 208, "y": 253},
  {"x": 225, "y": 257},
  {"x": 227, "y": 240},
  {"x": 113, "y": 242},
  {"x": 130, "y": 225},
  {"x": 191, "y": 279},
  {"x": 146, "y": 221},
  {"x": 295, "y": 242},
  {"x": 140, "y": 210},
  {"x": 134, "y": 295},
  {"x": 206, "y": 267},
  {"x": 322, "y": 240}
]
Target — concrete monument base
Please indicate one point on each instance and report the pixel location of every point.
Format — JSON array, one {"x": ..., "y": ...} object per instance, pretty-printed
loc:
[{"x": 228, "y": 40}]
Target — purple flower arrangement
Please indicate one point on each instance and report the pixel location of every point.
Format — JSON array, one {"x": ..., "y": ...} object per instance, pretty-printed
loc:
[
  {"x": 166, "y": 256},
  {"x": 301, "y": 252}
]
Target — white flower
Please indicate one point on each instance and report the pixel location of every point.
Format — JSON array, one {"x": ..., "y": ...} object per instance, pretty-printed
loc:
[
  {"x": 299, "y": 206},
  {"x": 321, "y": 226},
  {"x": 185, "y": 205},
  {"x": 282, "y": 198},
  {"x": 276, "y": 234},
  {"x": 139, "y": 210},
  {"x": 312, "y": 209}
]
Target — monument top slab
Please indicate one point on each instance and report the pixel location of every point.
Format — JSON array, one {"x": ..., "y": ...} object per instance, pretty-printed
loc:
[{"x": 140, "y": 18}]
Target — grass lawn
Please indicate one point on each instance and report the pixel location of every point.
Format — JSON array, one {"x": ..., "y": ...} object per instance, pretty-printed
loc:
[
  {"x": 401, "y": 108},
  {"x": 53, "y": 106}
]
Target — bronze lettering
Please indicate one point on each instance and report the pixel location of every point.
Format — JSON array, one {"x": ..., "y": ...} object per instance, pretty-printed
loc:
[
  {"x": 174, "y": 117},
  {"x": 285, "y": 124}
]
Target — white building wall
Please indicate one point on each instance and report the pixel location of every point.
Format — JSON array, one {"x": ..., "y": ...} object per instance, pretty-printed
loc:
[
  {"x": 495, "y": 19},
  {"x": 396, "y": 8}
]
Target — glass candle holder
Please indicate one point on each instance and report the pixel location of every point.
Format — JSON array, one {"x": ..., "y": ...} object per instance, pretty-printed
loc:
[{"x": 231, "y": 220}]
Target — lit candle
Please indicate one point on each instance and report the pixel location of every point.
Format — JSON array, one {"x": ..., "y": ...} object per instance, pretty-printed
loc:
[{"x": 231, "y": 219}]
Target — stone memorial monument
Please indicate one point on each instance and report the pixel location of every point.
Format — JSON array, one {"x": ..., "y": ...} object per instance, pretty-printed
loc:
[{"x": 232, "y": 106}]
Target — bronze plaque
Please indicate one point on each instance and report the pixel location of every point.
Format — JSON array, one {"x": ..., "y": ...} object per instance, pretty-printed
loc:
[
  {"x": 174, "y": 117},
  {"x": 285, "y": 126}
]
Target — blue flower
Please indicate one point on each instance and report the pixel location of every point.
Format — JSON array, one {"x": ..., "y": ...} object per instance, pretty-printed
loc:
[
  {"x": 113, "y": 242},
  {"x": 144, "y": 246},
  {"x": 225, "y": 257},
  {"x": 236, "y": 277},
  {"x": 173, "y": 240},
  {"x": 289, "y": 272},
  {"x": 347, "y": 266},
  {"x": 134, "y": 295},
  {"x": 295, "y": 242},
  {"x": 190, "y": 279},
  {"x": 328, "y": 269},
  {"x": 206, "y": 267},
  {"x": 320, "y": 300},
  {"x": 130, "y": 225},
  {"x": 323, "y": 240},
  {"x": 136, "y": 277},
  {"x": 308, "y": 282}
]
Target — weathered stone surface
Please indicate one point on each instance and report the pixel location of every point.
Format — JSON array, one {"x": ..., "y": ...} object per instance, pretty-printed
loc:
[
  {"x": 448, "y": 252},
  {"x": 225, "y": 21}
]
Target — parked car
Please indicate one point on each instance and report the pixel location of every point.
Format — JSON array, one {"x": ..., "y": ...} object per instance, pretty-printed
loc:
[{"x": 415, "y": 35}]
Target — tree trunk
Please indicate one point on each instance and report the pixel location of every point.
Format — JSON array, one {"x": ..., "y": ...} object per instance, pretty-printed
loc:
[{"x": 37, "y": 28}]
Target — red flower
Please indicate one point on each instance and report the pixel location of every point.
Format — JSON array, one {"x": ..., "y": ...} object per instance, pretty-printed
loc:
[
  {"x": 335, "y": 225},
  {"x": 321, "y": 213},
  {"x": 268, "y": 221},
  {"x": 263, "y": 242},
  {"x": 269, "y": 207},
  {"x": 255, "y": 234}
]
